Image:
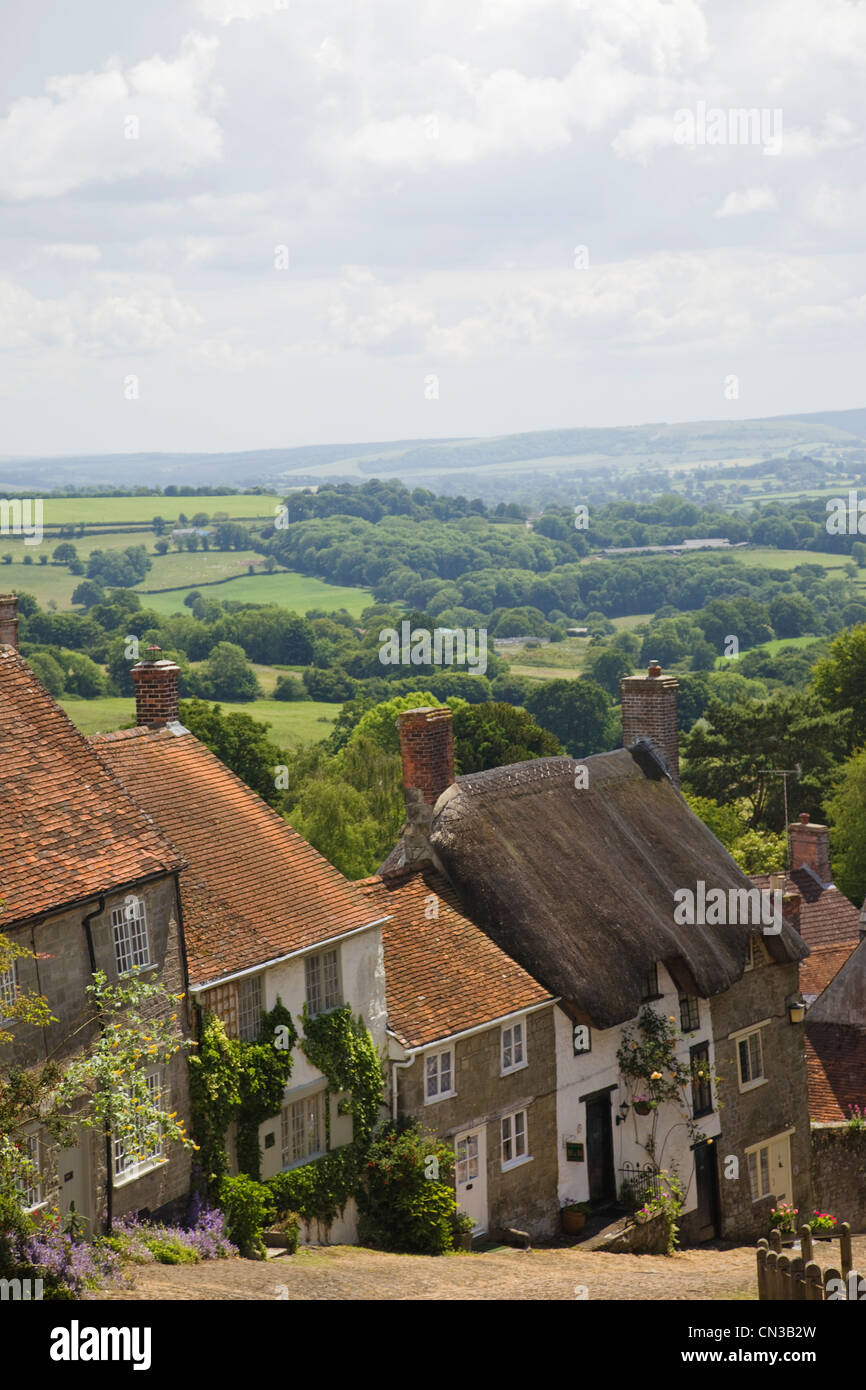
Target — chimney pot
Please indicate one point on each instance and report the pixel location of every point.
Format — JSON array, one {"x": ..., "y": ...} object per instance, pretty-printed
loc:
[
  {"x": 155, "y": 691},
  {"x": 427, "y": 751},
  {"x": 9, "y": 620},
  {"x": 649, "y": 710},
  {"x": 810, "y": 847}
]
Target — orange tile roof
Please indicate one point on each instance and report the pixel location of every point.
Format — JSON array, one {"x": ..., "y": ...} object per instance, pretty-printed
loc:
[
  {"x": 827, "y": 917},
  {"x": 836, "y": 1070},
  {"x": 443, "y": 975},
  {"x": 68, "y": 830},
  {"x": 818, "y": 970},
  {"x": 254, "y": 890}
]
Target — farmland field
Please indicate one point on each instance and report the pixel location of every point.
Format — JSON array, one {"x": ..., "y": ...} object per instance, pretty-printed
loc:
[
  {"x": 297, "y": 592},
  {"x": 304, "y": 722},
  {"x": 65, "y": 511}
]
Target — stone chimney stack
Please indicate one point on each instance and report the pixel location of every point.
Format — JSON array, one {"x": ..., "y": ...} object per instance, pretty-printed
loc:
[
  {"x": 810, "y": 848},
  {"x": 155, "y": 691},
  {"x": 427, "y": 751},
  {"x": 9, "y": 620},
  {"x": 649, "y": 710}
]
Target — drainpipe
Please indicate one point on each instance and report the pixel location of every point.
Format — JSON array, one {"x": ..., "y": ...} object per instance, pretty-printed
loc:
[
  {"x": 395, "y": 1066},
  {"x": 109, "y": 1180}
]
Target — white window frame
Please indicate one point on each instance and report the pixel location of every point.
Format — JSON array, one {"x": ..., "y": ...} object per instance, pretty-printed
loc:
[
  {"x": 316, "y": 986},
  {"x": 130, "y": 935},
  {"x": 306, "y": 1118},
  {"x": 435, "y": 1073},
  {"x": 754, "y": 1080},
  {"x": 516, "y": 1136},
  {"x": 510, "y": 1045},
  {"x": 126, "y": 1169},
  {"x": 34, "y": 1194},
  {"x": 8, "y": 990},
  {"x": 250, "y": 1007}
]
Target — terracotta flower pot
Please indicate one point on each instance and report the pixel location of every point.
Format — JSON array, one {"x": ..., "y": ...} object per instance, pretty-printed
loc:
[{"x": 573, "y": 1222}]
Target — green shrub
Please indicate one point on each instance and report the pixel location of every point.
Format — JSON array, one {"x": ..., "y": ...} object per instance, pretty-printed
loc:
[
  {"x": 289, "y": 1226},
  {"x": 406, "y": 1201},
  {"x": 169, "y": 1250},
  {"x": 249, "y": 1208}
]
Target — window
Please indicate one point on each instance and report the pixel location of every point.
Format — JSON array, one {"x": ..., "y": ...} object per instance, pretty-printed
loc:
[
  {"x": 759, "y": 1172},
  {"x": 133, "y": 1154},
  {"x": 438, "y": 1072},
  {"x": 323, "y": 982},
  {"x": 30, "y": 1186},
  {"x": 702, "y": 1089},
  {"x": 690, "y": 1013},
  {"x": 223, "y": 1000},
  {"x": 514, "y": 1046},
  {"x": 467, "y": 1159},
  {"x": 513, "y": 1138},
  {"x": 750, "y": 1058},
  {"x": 8, "y": 988},
  {"x": 129, "y": 924},
  {"x": 303, "y": 1128},
  {"x": 249, "y": 1007},
  {"x": 650, "y": 987}
]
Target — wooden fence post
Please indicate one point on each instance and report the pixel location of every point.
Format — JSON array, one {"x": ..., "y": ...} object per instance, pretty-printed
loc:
[
  {"x": 763, "y": 1248},
  {"x": 798, "y": 1284},
  {"x": 814, "y": 1287},
  {"x": 772, "y": 1278},
  {"x": 783, "y": 1274},
  {"x": 806, "y": 1244},
  {"x": 845, "y": 1248},
  {"x": 776, "y": 1240}
]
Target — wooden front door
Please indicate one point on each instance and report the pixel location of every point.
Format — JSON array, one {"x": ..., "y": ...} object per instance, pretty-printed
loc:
[
  {"x": 707, "y": 1183},
  {"x": 599, "y": 1145},
  {"x": 470, "y": 1172}
]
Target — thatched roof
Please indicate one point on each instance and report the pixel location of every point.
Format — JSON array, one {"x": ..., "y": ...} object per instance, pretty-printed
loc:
[{"x": 578, "y": 885}]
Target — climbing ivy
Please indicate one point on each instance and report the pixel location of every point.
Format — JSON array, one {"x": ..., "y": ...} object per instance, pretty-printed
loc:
[
  {"x": 340, "y": 1047},
  {"x": 235, "y": 1080}
]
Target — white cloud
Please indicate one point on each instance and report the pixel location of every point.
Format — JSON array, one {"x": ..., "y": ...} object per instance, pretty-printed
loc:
[
  {"x": 102, "y": 126},
  {"x": 116, "y": 316},
  {"x": 73, "y": 251},
  {"x": 748, "y": 200}
]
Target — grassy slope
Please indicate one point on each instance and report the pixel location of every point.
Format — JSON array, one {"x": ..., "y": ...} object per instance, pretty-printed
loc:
[
  {"x": 59, "y": 511},
  {"x": 296, "y": 592},
  {"x": 291, "y": 724}
]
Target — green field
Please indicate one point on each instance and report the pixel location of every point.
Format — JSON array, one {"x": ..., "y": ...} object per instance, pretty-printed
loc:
[
  {"x": 306, "y": 721},
  {"x": 65, "y": 511},
  {"x": 297, "y": 592},
  {"x": 767, "y": 558}
]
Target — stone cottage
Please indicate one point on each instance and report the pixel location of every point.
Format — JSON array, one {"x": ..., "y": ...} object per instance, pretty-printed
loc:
[
  {"x": 87, "y": 883},
  {"x": 574, "y": 871}
]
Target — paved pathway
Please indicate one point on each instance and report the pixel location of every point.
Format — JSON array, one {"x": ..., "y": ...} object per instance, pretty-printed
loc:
[{"x": 346, "y": 1272}]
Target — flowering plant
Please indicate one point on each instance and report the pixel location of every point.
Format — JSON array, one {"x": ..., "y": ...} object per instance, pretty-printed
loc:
[
  {"x": 856, "y": 1117},
  {"x": 822, "y": 1222},
  {"x": 783, "y": 1218}
]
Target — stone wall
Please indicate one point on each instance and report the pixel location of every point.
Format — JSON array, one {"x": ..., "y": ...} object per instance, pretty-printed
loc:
[
  {"x": 523, "y": 1197},
  {"x": 61, "y": 975},
  {"x": 839, "y": 1173},
  {"x": 751, "y": 1116}
]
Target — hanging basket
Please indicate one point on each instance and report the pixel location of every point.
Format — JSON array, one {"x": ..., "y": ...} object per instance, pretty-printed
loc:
[{"x": 641, "y": 1107}]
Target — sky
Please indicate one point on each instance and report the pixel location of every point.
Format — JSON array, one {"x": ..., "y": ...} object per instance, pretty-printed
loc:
[{"x": 230, "y": 224}]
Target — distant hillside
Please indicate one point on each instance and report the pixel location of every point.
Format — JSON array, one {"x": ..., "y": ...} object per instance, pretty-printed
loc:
[{"x": 467, "y": 462}]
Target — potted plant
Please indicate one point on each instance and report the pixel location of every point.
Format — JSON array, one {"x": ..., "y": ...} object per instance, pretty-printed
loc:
[
  {"x": 573, "y": 1217},
  {"x": 783, "y": 1219},
  {"x": 822, "y": 1225},
  {"x": 464, "y": 1227},
  {"x": 643, "y": 1104}
]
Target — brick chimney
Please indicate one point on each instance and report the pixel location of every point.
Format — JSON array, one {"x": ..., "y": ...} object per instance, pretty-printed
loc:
[
  {"x": 427, "y": 751},
  {"x": 810, "y": 847},
  {"x": 155, "y": 691},
  {"x": 9, "y": 620},
  {"x": 649, "y": 710}
]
